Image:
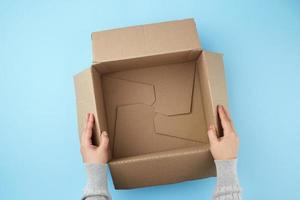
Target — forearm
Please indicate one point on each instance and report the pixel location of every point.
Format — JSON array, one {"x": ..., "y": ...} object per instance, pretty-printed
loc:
[
  {"x": 96, "y": 187},
  {"x": 228, "y": 187}
]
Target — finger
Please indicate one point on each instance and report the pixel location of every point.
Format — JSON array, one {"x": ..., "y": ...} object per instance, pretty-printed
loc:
[
  {"x": 87, "y": 134},
  {"x": 226, "y": 112},
  {"x": 225, "y": 121},
  {"x": 83, "y": 135},
  {"x": 212, "y": 134},
  {"x": 104, "y": 140},
  {"x": 228, "y": 116}
]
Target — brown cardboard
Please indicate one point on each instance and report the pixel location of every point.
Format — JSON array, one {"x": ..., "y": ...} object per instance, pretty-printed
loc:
[
  {"x": 135, "y": 134},
  {"x": 134, "y": 126},
  {"x": 145, "y": 40},
  {"x": 213, "y": 86},
  {"x": 174, "y": 81},
  {"x": 162, "y": 167},
  {"x": 120, "y": 92},
  {"x": 155, "y": 90},
  {"x": 89, "y": 98},
  {"x": 187, "y": 126}
]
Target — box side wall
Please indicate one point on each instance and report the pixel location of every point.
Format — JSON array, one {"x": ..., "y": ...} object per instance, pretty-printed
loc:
[
  {"x": 147, "y": 61},
  {"x": 99, "y": 100},
  {"x": 87, "y": 98},
  {"x": 163, "y": 168},
  {"x": 213, "y": 86}
]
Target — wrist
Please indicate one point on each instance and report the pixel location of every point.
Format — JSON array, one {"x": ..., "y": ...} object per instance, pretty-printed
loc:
[
  {"x": 227, "y": 172},
  {"x": 96, "y": 176}
]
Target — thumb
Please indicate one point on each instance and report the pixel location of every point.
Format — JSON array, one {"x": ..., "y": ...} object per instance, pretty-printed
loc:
[
  {"x": 104, "y": 140},
  {"x": 212, "y": 134}
]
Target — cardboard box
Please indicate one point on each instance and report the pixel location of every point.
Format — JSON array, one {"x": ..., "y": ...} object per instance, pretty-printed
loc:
[{"x": 155, "y": 91}]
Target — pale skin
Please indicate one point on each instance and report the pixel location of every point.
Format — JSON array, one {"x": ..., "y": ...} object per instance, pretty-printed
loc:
[
  {"x": 226, "y": 147},
  {"x": 222, "y": 148},
  {"x": 92, "y": 154}
]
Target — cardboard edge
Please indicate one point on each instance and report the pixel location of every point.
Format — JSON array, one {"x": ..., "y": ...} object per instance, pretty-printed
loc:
[
  {"x": 135, "y": 168},
  {"x": 186, "y": 55},
  {"x": 211, "y": 69},
  {"x": 196, "y": 45},
  {"x": 134, "y": 26},
  {"x": 85, "y": 101},
  {"x": 89, "y": 99}
]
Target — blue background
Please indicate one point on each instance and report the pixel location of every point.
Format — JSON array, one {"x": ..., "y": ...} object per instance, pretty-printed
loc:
[{"x": 44, "y": 43}]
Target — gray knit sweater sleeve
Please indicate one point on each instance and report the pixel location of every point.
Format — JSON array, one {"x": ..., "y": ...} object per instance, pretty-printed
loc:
[
  {"x": 228, "y": 187},
  {"x": 96, "y": 187},
  {"x": 227, "y": 182}
]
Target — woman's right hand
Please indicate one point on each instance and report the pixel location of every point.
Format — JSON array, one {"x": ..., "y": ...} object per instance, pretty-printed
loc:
[{"x": 226, "y": 147}]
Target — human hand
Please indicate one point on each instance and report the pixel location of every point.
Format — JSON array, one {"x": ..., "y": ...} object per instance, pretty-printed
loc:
[
  {"x": 226, "y": 147},
  {"x": 91, "y": 153}
]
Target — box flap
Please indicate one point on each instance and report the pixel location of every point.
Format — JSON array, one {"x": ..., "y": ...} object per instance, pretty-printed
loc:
[
  {"x": 145, "y": 40},
  {"x": 213, "y": 85},
  {"x": 89, "y": 99}
]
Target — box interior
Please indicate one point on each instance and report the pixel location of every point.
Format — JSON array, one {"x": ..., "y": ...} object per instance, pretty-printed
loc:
[
  {"x": 152, "y": 104},
  {"x": 155, "y": 91}
]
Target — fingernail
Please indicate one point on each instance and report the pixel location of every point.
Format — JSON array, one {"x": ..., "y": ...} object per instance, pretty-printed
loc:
[
  {"x": 213, "y": 127},
  {"x": 104, "y": 133}
]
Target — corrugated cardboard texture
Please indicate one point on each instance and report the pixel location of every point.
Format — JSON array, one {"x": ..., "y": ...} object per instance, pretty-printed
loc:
[{"x": 145, "y": 40}]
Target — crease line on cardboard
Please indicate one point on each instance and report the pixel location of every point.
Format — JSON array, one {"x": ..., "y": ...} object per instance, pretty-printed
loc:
[
  {"x": 182, "y": 114},
  {"x": 209, "y": 83},
  {"x": 155, "y": 93},
  {"x": 114, "y": 134},
  {"x": 151, "y": 55},
  {"x": 121, "y": 105},
  {"x": 166, "y": 155},
  {"x": 165, "y": 134},
  {"x": 139, "y": 82}
]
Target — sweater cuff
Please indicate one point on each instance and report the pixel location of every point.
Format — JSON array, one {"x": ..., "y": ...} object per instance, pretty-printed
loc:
[
  {"x": 226, "y": 172},
  {"x": 96, "y": 180}
]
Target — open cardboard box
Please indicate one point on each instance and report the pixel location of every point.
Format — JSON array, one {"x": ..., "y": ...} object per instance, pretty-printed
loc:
[{"x": 155, "y": 91}]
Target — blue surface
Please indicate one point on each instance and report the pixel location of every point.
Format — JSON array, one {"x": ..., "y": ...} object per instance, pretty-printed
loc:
[{"x": 44, "y": 43}]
